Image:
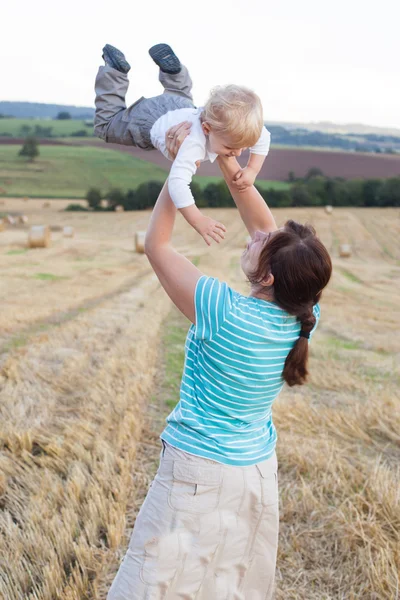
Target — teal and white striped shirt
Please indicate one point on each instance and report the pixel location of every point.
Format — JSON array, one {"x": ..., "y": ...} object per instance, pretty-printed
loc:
[{"x": 234, "y": 358}]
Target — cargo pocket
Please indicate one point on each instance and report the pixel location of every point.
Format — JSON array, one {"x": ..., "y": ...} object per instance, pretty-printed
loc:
[
  {"x": 269, "y": 485},
  {"x": 162, "y": 558},
  {"x": 195, "y": 488},
  {"x": 117, "y": 131}
]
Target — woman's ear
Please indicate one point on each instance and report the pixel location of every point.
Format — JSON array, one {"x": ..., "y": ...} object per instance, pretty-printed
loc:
[
  {"x": 206, "y": 127},
  {"x": 268, "y": 281}
]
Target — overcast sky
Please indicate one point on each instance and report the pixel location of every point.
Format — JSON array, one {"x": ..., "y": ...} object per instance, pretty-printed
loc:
[{"x": 308, "y": 60}]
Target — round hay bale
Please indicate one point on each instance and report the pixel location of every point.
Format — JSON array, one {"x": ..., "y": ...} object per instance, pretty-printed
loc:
[
  {"x": 26, "y": 199},
  {"x": 68, "y": 231},
  {"x": 119, "y": 208},
  {"x": 2, "y": 202},
  {"x": 39, "y": 236},
  {"x": 2, "y": 225},
  {"x": 46, "y": 204},
  {"x": 23, "y": 219},
  {"x": 345, "y": 250},
  {"x": 11, "y": 220},
  {"x": 139, "y": 241},
  {"x": 103, "y": 203},
  {"x": 328, "y": 209}
]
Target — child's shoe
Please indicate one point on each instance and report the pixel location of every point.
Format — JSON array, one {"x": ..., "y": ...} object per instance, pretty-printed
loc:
[
  {"x": 164, "y": 57},
  {"x": 115, "y": 59}
]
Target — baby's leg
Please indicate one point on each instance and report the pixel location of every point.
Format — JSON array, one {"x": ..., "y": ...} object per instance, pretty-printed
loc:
[
  {"x": 174, "y": 76},
  {"x": 110, "y": 87},
  {"x": 179, "y": 84}
]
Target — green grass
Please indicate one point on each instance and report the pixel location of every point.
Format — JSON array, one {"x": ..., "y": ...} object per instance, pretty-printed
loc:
[
  {"x": 21, "y": 251},
  {"x": 350, "y": 276},
  {"x": 378, "y": 374},
  {"x": 69, "y": 171},
  {"x": 173, "y": 343},
  {"x": 15, "y": 343},
  {"x": 174, "y": 339},
  {"x": 48, "y": 277},
  {"x": 338, "y": 343},
  {"x": 59, "y": 128}
]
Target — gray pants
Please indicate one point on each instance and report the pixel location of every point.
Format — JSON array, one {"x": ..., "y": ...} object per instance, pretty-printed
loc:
[{"x": 116, "y": 123}]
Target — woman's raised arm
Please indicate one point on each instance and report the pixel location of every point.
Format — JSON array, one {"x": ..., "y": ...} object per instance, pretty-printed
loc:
[
  {"x": 177, "y": 274},
  {"x": 251, "y": 205}
]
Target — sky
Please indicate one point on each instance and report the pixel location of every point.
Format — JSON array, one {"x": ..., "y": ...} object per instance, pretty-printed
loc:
[{"x": 308, "y": 60}]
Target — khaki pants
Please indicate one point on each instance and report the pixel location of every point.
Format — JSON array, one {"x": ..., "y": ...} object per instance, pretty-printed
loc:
[{"x": 206, "y": 531}]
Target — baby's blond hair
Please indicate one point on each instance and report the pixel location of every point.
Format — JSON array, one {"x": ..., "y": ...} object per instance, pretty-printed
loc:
[{"x": 235, "y": 111}]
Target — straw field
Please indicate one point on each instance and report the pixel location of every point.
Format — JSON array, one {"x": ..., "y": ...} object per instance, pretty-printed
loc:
[{"x": 83, "y": 370}]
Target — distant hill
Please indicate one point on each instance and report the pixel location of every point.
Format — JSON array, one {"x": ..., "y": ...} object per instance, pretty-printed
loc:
[
  {"x": 344, "y": 128},
  {"x": 28, "y": 110},
  {"x": 36, "y": 110},
  {"x": 350, "y": 137},
  {"x": 304, "y": 137}
]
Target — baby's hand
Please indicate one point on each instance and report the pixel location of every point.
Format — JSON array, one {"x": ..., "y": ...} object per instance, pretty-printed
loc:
[
  {"x": 209, "y": 229},
  {"x": 244, "y": 179}
]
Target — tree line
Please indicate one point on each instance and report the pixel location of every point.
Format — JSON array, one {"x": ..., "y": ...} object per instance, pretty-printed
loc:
[{"x": 313, "y": 190}]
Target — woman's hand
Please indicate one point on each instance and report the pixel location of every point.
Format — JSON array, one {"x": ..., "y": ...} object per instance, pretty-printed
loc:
[{"x": 175, "y": 136}]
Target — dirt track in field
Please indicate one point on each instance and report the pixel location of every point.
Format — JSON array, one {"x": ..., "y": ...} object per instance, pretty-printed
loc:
[{"x": 280, "y": 161}]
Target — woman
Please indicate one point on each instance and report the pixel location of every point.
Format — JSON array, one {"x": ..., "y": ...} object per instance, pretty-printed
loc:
[{"x": 208, "y": 529}]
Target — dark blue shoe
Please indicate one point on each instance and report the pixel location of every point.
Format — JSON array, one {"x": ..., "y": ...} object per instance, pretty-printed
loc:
[
  {"x": 115, "y": 59},
  {"x": 164, "y": 57}
]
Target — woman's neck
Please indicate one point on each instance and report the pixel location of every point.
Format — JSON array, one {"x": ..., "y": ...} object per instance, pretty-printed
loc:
[{"x": 260, "y": 291}]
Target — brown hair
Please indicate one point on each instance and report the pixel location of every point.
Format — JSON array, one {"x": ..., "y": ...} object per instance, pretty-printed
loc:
[{"x": 301, "y": 267}]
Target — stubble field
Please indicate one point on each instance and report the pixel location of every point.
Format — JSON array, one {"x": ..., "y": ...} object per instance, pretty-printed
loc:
[{"x": 82, "y": 360}]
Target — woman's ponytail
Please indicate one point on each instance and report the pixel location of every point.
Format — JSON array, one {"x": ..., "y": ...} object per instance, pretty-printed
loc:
[
  {"x": 301, "y": 267},
  {"x": 295, "y": 369}
]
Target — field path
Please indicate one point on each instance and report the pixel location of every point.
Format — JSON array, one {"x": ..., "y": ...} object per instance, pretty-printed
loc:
[
  {"x": 281, "y": 161},
  {"x": 71, "y": 411}
]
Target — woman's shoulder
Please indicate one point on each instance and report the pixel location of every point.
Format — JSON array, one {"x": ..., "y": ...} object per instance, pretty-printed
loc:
[
  {"x": 245, "y": 306},
  {"x": 263, "y": 306},
  {"x": 207, "y": 285}
]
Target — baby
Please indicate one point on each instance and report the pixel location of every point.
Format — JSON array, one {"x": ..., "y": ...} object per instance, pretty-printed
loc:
[{"x": 231, "y": 120}]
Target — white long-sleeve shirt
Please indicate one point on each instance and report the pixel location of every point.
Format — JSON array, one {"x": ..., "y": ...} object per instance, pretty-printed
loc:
[{"x": 194, "y": 148}]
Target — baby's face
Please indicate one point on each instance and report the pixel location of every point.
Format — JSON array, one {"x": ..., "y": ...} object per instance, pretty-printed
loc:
[{"x": 220, "y": 144}]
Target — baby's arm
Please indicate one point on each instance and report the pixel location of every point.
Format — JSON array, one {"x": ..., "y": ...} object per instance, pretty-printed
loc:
[
  {"x": 182, "y": 171},
  {"x": 247, "y": 176},
  {"x": 205, "y": 226}
]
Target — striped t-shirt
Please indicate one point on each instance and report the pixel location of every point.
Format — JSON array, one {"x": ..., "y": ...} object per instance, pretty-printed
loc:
[{"x": 234, "y": 358}]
